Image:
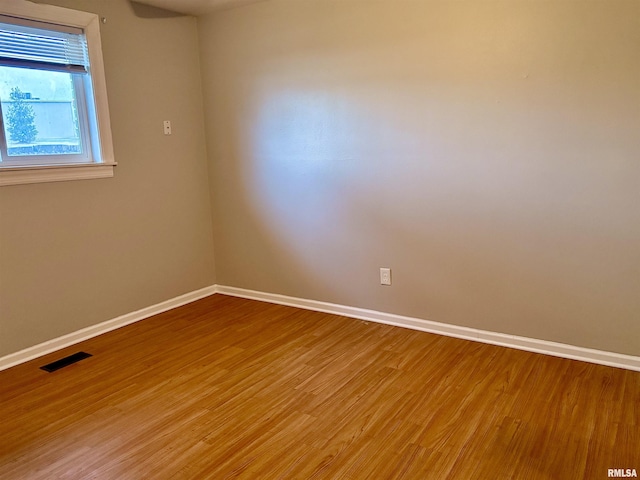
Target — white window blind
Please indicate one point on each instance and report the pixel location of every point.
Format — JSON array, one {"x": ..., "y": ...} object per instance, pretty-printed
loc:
[{"x": 30, "y": 44}]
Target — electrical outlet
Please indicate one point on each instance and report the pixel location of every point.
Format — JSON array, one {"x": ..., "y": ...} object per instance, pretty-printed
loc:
[
  {"x": 385, "y": 276},
  {"x": 167, "y": 127}
]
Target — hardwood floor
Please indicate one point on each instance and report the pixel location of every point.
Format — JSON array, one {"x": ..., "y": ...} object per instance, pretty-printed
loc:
[{"x": 232, "y": 388}]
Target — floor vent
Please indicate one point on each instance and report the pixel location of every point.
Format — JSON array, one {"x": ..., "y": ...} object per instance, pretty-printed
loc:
[{"x": 66, "y": 361}]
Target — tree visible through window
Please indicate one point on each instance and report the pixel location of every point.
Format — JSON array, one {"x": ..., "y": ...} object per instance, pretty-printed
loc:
[{"x": 21, "y": 123}]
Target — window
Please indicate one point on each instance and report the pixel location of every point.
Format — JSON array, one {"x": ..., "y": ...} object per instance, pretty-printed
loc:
[{"x": 54, "y": 118}]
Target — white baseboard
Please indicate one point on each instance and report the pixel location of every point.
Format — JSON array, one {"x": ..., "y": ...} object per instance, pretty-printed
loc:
[
  {"x": 600, "y": 357},
  {"x": 104, "y": 327}
]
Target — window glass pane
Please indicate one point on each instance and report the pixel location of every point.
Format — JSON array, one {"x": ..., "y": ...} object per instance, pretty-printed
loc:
[{"x": 39, "y": 110}]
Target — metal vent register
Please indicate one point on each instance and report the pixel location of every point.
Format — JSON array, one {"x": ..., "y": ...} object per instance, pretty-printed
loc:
[{"x": 65, "y": 362}]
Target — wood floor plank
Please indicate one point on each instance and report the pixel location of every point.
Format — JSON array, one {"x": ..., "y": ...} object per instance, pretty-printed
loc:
[{"x": 232, "y": 388}]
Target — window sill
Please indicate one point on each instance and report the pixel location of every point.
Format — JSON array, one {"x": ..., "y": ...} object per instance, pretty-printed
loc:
[{"x": 54, "y": 173}]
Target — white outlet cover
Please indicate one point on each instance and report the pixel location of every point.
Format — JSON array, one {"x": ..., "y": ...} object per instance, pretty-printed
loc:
[{"x": 385, "y": 276}]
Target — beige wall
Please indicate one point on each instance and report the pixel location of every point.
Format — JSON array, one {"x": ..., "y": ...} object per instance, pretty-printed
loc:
[
  {"x": 487, "y": 151},
  {"x": 73, "y": 254}
]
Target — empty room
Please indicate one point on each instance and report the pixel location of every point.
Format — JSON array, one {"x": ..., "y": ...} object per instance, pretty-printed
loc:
[{"x": 319, "y": 239}]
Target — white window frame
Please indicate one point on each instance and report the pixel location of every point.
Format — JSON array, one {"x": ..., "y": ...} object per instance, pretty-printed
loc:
[{"x": 101, "y": 140}]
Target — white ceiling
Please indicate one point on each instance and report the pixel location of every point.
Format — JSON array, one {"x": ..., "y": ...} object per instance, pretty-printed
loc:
[{"x": 195, "y": 7}]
